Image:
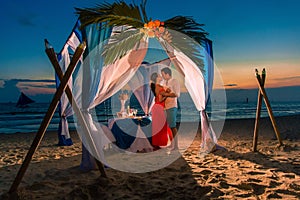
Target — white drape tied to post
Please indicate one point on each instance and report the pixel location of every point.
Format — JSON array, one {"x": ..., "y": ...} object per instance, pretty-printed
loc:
[
  {"x": 64, "y": 61},
  {"x": 195, "y": 84},
  {"x": 65, "y": 127},
  {"x": 199, "y": 90},
  {"x": 88, "y": 79},
  {"x": 101, "y": 82},
  {"x": 209, "y": 139},
  {"x": 113, "y": 78}
]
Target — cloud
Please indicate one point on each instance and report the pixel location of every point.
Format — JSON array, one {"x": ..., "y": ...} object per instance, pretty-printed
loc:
[
  {"x": 35, "y": 87},
  {"x": 32, "y": 81},
  {"x": 231, "y": 85},
  {"x": 287, "y": 78},
  {"x": 37, "y": 84},
  {"x": 11, "y": 89},
  {"x": 27, "y": 20}
]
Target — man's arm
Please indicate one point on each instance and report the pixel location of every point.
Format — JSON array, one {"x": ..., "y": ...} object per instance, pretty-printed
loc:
[
  {"x": 168, "y": 93},
  {"x": 175, "y": 89}
]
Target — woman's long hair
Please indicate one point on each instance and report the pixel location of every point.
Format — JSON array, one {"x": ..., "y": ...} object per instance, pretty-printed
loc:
[{"x": 153, "y": 79}]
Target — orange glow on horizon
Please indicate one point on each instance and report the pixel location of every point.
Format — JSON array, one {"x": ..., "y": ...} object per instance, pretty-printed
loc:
[
  {"x": 34, "y": 88},
  {"x": 242, "y": 76}
]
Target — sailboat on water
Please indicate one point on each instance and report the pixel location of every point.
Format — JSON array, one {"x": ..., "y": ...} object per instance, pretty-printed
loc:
[{"x": 24, "y": 100}]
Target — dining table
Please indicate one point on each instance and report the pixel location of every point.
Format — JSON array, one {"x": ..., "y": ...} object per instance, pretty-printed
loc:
[{"x": 133, "y": 134}]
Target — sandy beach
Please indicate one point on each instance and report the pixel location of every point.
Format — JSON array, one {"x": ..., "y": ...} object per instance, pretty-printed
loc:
[{"x": 235, "y": 173}]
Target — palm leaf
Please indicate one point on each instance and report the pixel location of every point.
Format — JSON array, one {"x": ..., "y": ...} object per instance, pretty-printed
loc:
[
  {"x": 143, "y": 10},
  {"x": 115, "y": 14},
  {"x": 181, "y": 27},
  {"x": 188, "y": 26},
  {"x": 120, "y": 44},
  {"x": 188, "y": 46}
]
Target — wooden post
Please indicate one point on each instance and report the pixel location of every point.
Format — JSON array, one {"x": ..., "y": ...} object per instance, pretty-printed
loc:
[
  {"x": 258, "y": 110},
  {"x": 52, "y": 57},
  {"x": 47, "y": 117},
  {"x": 268, "y": 105}
]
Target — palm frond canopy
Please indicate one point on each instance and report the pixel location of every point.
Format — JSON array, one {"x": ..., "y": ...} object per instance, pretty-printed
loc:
[
  {"x": 115, "y": 14},
  {"x": 120, "y": 45},
  {"x": 134, "y": 16},
  {"x": 188, "y": 26}
]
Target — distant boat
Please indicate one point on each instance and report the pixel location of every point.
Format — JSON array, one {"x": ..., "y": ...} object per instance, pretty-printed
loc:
[{"x": 24, "y": 100}]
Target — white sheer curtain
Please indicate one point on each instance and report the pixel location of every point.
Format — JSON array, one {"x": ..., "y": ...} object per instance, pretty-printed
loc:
[
  {"x": 209, "y": 137},
  {"x": 195, "y": 84},
  {"x": 193, "y": 79},
  {"x": 101, "y": 82},
  {"x": 64, "y": 61},
  {"x": 113, "y": 78},
  {"x": 116, "y": 76},
  {"x": 198, "y": 89},
  {"x": 88, "y": 80}
]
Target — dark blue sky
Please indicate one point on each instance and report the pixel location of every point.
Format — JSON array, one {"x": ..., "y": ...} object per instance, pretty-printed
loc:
[{"x": 245, "y": 35}]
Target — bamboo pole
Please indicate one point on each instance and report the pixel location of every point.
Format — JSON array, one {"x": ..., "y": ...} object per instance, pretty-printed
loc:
[
  {"x": 258, "y": 109},
  {"x": 52, "y": 57},
  {"x": 270, "y": 112},
  {"x": 48, "y": 116}
]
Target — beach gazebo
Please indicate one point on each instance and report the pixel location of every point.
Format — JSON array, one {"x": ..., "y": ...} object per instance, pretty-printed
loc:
[{"x": 109, "y": 43}]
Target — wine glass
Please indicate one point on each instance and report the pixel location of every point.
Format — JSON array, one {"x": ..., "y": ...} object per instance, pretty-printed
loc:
[{"x": 134, "y": 112}]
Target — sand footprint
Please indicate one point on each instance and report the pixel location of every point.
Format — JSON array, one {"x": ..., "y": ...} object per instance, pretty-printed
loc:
[
  {"x": 295, "y": 186},
  {"x": 255, "y": 188},
  {"x": 287, "y": 192},
  {"x": 255, "y": 173},
  {"x": 205, "y": 172},
  {"x": 274, "y": 184}
]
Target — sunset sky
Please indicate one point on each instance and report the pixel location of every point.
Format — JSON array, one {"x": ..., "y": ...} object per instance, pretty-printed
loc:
[{"x": 245, "y": 34}]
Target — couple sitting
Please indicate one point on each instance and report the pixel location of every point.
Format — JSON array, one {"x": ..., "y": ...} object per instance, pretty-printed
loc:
[{"x": 164, "y": 125}]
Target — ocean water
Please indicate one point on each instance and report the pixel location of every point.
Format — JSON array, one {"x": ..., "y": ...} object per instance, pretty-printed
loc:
[{"x": 14, "y": 120}]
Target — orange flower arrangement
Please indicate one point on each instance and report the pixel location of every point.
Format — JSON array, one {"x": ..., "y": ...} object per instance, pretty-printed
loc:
[{"x": 156, "y": 29}]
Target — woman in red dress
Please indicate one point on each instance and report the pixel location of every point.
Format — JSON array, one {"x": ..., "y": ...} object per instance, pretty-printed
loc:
[{"x": 160, "y": 128}]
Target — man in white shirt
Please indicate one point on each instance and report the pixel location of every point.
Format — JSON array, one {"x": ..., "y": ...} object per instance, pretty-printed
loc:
[{"x": 171, "y": 102}]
